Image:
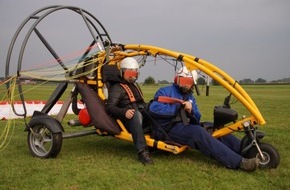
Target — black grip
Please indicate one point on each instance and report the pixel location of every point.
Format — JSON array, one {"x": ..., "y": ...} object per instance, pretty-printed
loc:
[
  {"x": 207, "y": 91},
  {"x": 197, "y": 89}
]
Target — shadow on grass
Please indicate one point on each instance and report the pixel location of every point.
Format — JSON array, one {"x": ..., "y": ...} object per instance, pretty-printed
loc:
[{"x": 110, "y": 147}]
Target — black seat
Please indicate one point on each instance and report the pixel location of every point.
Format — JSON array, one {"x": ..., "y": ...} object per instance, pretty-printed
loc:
[{"x": 110, "y": 75}]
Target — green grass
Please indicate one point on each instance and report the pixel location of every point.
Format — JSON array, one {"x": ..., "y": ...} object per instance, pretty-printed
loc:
[{"x": 97, "y": 162}]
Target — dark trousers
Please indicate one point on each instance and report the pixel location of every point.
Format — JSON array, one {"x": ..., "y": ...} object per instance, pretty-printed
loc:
[
  {"x": 225, "y": 149},
  {"x": 135, "y": 127}
]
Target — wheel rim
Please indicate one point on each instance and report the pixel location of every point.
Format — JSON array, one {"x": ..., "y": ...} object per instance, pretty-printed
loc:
[
  {"x": 40, "y": 140},
  {"x": 266, "y": 160}
]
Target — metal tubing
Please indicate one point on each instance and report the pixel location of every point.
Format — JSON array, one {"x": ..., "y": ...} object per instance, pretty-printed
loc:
[
  {"x": 50, "y": 49},
  {"x": 78, "y": 134},
  {"x": 214, "y": 72}
]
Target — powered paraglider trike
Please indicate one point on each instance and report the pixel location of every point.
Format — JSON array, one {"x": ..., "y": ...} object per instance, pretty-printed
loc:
[{"x": 97, "y": 69}]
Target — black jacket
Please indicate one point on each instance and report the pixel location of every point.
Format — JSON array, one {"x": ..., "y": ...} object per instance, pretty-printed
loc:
[{"x": 118, "y": 101}]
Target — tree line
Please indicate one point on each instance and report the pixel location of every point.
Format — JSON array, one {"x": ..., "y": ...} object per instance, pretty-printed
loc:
[{"x": 201, "y": 81}]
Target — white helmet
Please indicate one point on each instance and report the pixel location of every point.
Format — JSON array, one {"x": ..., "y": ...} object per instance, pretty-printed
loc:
[
  {"x": 129, "y": 69},
  {"x": 185, "y": 79},
  {"x": 183, "y": 72},
  {"x": 129, "y": 63}
]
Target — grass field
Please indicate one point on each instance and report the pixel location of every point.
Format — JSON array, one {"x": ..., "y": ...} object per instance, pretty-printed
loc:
[{"x": 103, "y": 162}]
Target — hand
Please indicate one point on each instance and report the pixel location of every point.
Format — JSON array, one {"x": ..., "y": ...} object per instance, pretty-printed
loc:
[
  {"x": 187, "y": 106},
  {"x": 130, "y": 113}
]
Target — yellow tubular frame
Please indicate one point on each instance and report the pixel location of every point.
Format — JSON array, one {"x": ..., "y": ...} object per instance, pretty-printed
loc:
[{"x": 191, "y": 63}]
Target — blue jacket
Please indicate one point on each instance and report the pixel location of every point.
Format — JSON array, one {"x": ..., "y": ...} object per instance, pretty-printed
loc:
[{"x": 165, "y": 112}]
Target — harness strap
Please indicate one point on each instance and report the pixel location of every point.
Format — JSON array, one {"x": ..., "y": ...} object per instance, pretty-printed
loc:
[
  {"x": 131, "y": 95},
  {"x": 129, "y": 92}
]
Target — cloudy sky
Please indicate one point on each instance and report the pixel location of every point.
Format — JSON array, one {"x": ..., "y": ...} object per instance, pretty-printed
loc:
[{"x": 246, "y": 38}]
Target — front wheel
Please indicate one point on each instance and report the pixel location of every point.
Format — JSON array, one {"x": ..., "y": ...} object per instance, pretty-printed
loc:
[
  {"x": 271, "y": 155},
  {"x": 43, "y": 142}
]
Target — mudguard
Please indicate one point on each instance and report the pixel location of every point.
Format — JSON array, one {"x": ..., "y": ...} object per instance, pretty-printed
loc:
[
  {"x": 96, "y": 108},
  {"x": 40, "y": 118}
]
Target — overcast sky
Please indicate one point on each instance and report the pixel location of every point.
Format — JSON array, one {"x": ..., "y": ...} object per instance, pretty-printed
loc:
[{"x": 245, "y": 38}]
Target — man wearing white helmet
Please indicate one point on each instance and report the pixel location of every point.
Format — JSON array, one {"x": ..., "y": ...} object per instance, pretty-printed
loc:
[
  {"x": 125, "y": 102},
  {"x": 181, "y": 122}
]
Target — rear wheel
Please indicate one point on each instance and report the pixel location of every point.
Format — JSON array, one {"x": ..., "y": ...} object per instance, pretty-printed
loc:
[
  {"x": 271, "y": 155},
  {"x": 42, "y": 142}
]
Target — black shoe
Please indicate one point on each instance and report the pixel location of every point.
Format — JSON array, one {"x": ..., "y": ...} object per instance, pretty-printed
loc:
[
  {"x": 249, "y": 164},
  {"x": 144, "y": 157}
]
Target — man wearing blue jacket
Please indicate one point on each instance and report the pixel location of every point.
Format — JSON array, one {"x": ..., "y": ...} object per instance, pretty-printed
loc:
[{"x": 170, "y": 116}]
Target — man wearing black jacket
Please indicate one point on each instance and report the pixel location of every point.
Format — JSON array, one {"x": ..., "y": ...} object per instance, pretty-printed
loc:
[{"x": 125, "y": 101}]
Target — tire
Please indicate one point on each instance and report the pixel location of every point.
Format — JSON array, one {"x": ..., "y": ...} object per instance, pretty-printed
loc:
[
  {"x": 244, "y": 143},
  {"x": 272, "y": 157},
  {"x": 43, "y": 143}
]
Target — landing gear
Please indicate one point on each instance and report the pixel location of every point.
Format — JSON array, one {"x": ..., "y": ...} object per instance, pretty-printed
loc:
[
  {"x": 43, "y": 142},
  {"x": 252, "y": 147},
  {"x": 44, "y": 137},
  {"x": 269, "y": 156}
]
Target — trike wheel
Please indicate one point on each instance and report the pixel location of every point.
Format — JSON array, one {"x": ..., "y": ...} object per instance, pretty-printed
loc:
[
  {"x": 43, "y": 143},
  {"x": 271, "y": 155}
]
